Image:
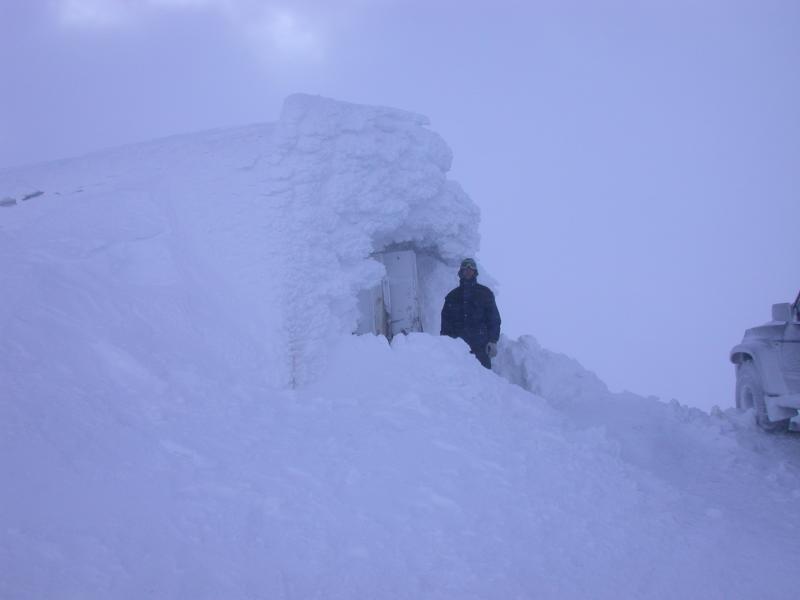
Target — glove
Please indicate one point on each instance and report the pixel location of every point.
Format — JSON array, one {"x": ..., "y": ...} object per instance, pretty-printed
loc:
[{"x": 491, "y": 349}]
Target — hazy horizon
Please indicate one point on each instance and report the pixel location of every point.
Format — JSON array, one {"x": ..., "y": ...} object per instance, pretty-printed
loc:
[{"x": 637, "y": 167}]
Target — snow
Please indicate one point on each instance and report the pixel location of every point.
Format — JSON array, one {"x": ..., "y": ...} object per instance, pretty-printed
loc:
[{"x": 184, "y": 413}]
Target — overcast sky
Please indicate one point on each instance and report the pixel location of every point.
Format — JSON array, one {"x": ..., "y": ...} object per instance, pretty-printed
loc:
[{"x": 637, "y": 163}]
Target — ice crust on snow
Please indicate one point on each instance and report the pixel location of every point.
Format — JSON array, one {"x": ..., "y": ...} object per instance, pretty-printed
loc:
[{"x": 184, "y": 413}]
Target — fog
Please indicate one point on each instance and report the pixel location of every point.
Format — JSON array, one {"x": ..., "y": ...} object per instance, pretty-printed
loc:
[{"x": 637, "y": 167}]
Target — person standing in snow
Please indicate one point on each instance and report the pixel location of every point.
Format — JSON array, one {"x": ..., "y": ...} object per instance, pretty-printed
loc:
[{"x": 470, "y": 313}]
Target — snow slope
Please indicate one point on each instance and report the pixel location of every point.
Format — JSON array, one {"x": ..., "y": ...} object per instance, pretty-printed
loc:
[{"x": 183, "y": 413}]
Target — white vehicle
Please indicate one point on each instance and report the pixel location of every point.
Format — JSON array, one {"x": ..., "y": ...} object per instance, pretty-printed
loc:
[{"x": 768, "y": 369}]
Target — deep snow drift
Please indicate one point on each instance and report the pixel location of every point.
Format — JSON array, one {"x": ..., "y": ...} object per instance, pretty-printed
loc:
[{"x": 184, "y": 413}]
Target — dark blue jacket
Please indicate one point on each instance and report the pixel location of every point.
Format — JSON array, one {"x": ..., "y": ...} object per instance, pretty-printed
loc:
[{"x": 470, "y": 313}]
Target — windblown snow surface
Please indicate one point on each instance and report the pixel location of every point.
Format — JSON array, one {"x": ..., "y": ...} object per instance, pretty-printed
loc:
[{"x": 184, "y": 412}]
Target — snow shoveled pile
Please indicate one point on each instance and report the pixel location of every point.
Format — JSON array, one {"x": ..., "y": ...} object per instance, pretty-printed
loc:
[{"x": 184, "y": 413}]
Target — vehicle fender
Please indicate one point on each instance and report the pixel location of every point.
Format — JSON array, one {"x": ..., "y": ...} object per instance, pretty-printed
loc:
[{"x": 767, "y": 362}]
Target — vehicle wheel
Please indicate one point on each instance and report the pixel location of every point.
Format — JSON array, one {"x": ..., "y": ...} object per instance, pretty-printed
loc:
[{"x": 750, "y": 394}]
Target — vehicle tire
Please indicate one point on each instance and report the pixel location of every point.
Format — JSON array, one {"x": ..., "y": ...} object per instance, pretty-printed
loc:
[{"x": 750, "y": 394}]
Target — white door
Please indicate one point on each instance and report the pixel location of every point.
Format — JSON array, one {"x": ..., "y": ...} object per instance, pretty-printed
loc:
[
  {"x": 392, "y": 307},
  {"x": 403, "y": 304}
]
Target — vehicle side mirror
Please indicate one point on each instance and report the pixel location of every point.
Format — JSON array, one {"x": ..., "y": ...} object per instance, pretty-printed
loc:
[
  {"x": 782, "y": 312},
  {"x": 796, "y": 308}
]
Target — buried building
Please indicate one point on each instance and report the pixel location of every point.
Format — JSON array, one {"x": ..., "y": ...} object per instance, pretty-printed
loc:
[
  {"x": 370, "y": 220},
  {"x": 338, "y": 218}
]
